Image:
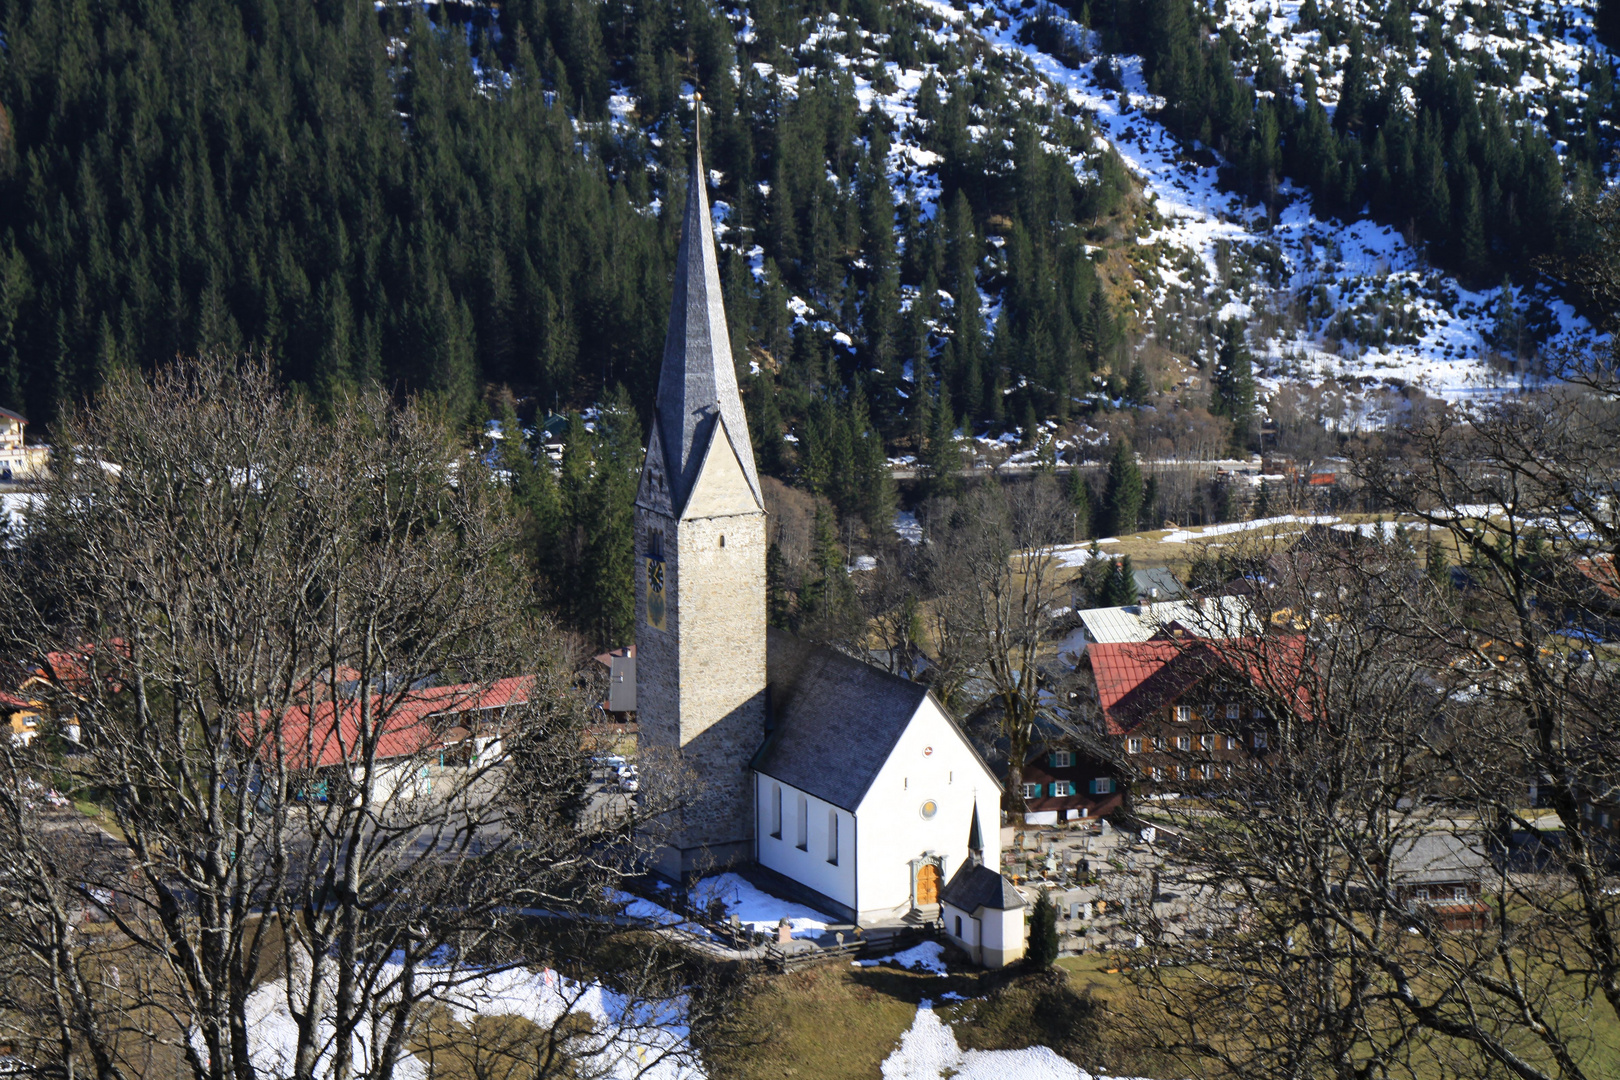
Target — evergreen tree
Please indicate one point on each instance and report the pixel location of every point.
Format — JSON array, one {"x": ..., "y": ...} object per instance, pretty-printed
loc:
[
  {"x": 828, "y": 607},
  {"x": 1122, "y": 502},
  {"x": 1137, "y": 387},
  {"x": 1119, "y": 588},
  {"x": 941, "y": 458},
  {"x": 608, "y": 565},
  {"x": 1079, "y": 493},
  {"x": 1043, "y": 935},
  {"x": 1232, "y": 384}
]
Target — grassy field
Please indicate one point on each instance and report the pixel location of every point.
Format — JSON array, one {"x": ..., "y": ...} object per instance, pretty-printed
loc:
[{"x": 840, "y": 1023}]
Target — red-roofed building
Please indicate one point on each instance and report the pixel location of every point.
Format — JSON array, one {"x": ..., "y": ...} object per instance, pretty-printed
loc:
[
  {"x": 1189, "y": 710},
  {"x": 424, "y": 729}
]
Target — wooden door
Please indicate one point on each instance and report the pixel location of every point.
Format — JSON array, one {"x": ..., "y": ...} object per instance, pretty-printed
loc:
[{"x": 927, "y": 884}]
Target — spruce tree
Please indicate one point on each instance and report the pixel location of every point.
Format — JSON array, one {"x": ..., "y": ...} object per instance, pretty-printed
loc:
[
  {"x": 941, "y": 458},
  {"x": 1043, "y": 934},
  {"x": 1079, "y": 493},
  {"x": 1122, "y": 503},
  {"x": 1137, "y": 387},
  {"x": 1232, "y": 384}
]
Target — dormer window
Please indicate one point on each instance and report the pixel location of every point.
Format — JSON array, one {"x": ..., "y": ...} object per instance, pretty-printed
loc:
[{"x": 1062, "y": 759}]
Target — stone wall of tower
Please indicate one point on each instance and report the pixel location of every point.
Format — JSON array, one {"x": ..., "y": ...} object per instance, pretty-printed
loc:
[{"x": 701, "y": 681}]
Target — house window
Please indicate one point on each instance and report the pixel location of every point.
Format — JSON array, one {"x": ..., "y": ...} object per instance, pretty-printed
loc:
[
  {"x": 1183, "y": 713},
  {"x": 1259, "y": 713},
  {"x": 1259, "y": 740},
  {"x": 1420, "y": 894},
  {"x": 1158, "y": 742},
  {"x": 1459, "y": 893},
  {"x": 1231, "y": 742},
  {"x": 1061, "y": 788},
  {"x": 804, "y": 823},
  {"x": 1032, "y": 791},
  {"x": 832, "y": 836},
  {"x": 776, "y": 811},
  {"x": 1158, "y": 773},
  {"x": 1062, "y": 759},
  {"x": 959, "y": 927},
  {"x": 1206, "y": 742},
  {"x": 1103, "y": 785},
  {"x": 1183, "y": 742},
  {"x": 1181, "y": 772},
  {"x": 1133, "y": 746},
  {"x": 1207, "y": 771},
  {"x": 1234, "y": 711}
]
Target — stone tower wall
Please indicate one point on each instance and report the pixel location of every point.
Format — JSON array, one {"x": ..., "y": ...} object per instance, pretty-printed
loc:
[{"x": 701, "y": 681}]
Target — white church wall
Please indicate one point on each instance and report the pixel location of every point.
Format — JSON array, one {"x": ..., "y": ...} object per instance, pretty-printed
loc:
[
  {"x": 931, "y": 762},
  {"x": 1003, "y": 936},
  {"x": 810, "y": 865}
]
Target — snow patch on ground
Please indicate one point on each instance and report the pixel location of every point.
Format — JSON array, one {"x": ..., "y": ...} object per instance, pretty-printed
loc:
[
  {"x": 928, "y": 1051},
  {"x": 759, "y": 910},
  {"x": 631, "y": 1040},
  {"x": 1182, "y": 536},
  {"x": 929, "y": 956}
]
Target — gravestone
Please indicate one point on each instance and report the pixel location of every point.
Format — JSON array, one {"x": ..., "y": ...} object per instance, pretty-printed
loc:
[{"x": 784, "y": 932}]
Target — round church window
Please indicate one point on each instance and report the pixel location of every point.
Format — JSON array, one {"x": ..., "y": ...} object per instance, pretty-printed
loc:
[{"x": 928, "y": 809}]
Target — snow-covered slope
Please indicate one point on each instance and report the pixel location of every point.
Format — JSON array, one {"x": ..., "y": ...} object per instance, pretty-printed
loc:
[{"x": 1323, "y": 299}]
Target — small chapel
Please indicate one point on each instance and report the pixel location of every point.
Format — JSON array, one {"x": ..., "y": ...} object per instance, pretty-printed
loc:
[{"x": 854, "y": 785}]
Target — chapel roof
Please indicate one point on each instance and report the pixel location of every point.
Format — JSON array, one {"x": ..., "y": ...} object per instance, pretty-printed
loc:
[
  {"x": 976, "y": 886},
  {"x": 834, "y": 719},
  {"x": 697, "y": 382}
]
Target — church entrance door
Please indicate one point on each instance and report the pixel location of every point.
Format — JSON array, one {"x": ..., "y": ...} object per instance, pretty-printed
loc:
[{"x": 927, "y": 884}]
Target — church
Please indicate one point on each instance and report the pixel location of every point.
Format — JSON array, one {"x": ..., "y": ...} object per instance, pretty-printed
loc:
[{"x": 853, "y": 784}]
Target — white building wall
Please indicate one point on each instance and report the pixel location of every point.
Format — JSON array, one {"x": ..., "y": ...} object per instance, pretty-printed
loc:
[
  {"x": 931, "y": 761},
  {"x": 1003, "y": 936},
  {"x": 809, "y": 867}
]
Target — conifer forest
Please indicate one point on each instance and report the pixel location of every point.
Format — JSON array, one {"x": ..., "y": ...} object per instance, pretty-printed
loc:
[{"x": 939, "y": 227}]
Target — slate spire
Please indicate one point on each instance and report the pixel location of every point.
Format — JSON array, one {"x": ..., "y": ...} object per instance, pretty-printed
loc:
[
  {"x": 975, "y": 838},
  {"x": 697, "y": 383}
]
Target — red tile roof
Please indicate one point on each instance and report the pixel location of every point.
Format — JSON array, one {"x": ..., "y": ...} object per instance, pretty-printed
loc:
[
  {"x": 1136, "y": 679},
  {"x": 415, "y": 721}
]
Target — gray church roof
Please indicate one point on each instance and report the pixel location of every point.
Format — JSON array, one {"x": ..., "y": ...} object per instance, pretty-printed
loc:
[
  {"x": 976, "y": 886},
  {"x": 697, "y": 381},
  {"x": 834, "y": 720}
]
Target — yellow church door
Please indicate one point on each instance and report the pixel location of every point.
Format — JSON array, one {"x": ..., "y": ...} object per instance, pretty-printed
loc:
[{"x": 927, "y": 884}]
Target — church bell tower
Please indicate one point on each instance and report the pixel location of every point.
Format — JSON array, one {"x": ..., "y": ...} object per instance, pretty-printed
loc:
[{"x": 700, "y": 565}]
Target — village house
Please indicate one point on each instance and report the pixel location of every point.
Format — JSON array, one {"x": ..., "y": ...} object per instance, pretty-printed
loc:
[
  {"x": 18, "y": 461},
  {"x": 1442, "y": 875},
  {"x": 1062, "y": 782},
  {"x": 422, "y": 730},
  {"x": 1185, "y": 711}
]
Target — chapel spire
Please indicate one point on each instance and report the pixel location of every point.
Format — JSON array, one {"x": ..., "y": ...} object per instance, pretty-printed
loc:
[
  {"x": 975, "y": 842},
  {"x": 697, "y": 383}
]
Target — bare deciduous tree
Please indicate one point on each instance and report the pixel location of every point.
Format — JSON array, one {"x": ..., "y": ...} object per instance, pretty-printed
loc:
[
  {"x": 996, "y": 582},
  {"x": 255, "y": 619}
]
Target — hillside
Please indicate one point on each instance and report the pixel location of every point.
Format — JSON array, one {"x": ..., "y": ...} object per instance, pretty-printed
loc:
[{"x": 448, "y": 199}]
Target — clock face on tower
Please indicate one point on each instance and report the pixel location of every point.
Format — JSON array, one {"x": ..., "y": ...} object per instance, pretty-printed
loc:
[{"x": 656, "y": 607}]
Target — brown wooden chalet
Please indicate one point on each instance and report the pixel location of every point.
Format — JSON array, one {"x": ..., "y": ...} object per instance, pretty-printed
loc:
[
  {"x": 1062, "y": 779},
  {"x": 1181, "y": 711}
]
